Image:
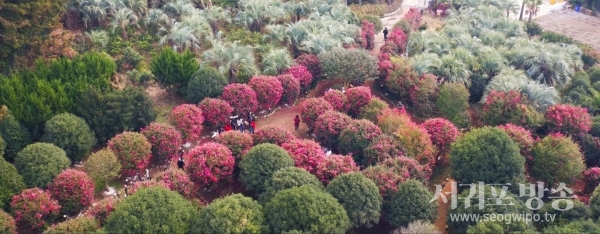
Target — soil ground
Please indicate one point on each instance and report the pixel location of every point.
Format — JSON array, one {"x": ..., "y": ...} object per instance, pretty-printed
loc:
[{"x": 579, "y": 26}]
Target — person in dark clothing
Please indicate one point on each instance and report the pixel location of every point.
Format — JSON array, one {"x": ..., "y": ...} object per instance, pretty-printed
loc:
[
  {"x": 297, "y": 122},
  {"x": 180, "y": 163},
  {"x": 385, "y": 33}
]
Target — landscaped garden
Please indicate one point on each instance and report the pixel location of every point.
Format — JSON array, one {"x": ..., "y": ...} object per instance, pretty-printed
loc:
[{"x": 178, "y": 116}]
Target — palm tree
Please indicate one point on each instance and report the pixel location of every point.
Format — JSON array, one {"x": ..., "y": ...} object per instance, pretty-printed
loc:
[
  {"x": 297, "y": 8},
  {"x": 437, "y": 43},
  {"x": 317, "y": 43},
  {"x": 98, "y": 38},
  {"x": 216, "y": 15},
  {"x": 540, "y": 95},
  {"x": 181, "y": 37},
  {"x": 122, "y": 18},
  {"x": 509, "y": 6},
  {"x": 230, "y": 59},
  {"x": 453, "y": 70},
  {"x": 177, "y": 8},
  {"x": 198, "y": 23},
  {"x": 92, "y": 10},
  {"x": 254, "y": 13},
  {"x": 492, "y": 38},
  {"x": 276, "y": 61},
  {"x": 156, "y": 19},
  {"x": 554, "y": 64},
  {"x": 533, "y": 7},
  {"x": 425, "y": 62},
  {"x": 140, "y": 7}
]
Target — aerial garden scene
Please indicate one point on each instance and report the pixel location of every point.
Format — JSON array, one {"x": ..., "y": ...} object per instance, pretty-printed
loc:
[{"x": 299, "y": 116}]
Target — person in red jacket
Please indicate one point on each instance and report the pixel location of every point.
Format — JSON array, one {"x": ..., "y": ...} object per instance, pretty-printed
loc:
[
  {"x": 227, "y": 127},
  {"x": 252, "y": 126},
  {"x": 297, "y": 122}
]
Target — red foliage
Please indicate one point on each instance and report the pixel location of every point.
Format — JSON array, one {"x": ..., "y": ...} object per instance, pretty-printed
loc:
[
  {"x": 391, "y": 172},
  {"x": 311, "y": 109},
  {"x": 356, "y": 137},
  {"x": 209, "y": 163},
  {"x": 381, "y": 148},
  {"x": 442, "y": 133},
  {"x": 291, "y": 89},
  {"x": 357, "y": 98},
  {"x": 424, "y": 94},
  {"x": 401, "y": 78},
  {"x": 568, "y": 119},
  {"x": 178, "y": 181},
  {"x": 135, "y": 187},
  {"x": 241, "y": 97},
  {"x": 188, "y": 120},
  {"x": 273, "y": 135},
  {"x": 238, "y": 142},
  {"x": 73, "y": 189},
  {"x": 215, "y": 111},
  {"x": 329, "y": 125},
  {"x": 522, "y": 137},
  {"x": 133, "y": 151},
  {"x": 385, "y": 66},
  {"x": 334, "y": 165},
  {"x": 592, "y": 178},
  {"x": 102, "y": 209},
  {"x": 312, "y": 63},
  {"x": 398, "y": 38},
  {"x": 34, "y": 208},
  {"x": 307, "y": 154},
  {"x": 302, "y": 74},
  {"x": 367, "y": 34},
  {"x": 413, "y": 16},
  {"x": 165, "y": 140},
  {"x": 337, "y": 99},
  {"x": 268, "y": 90},
  {"x": 509, "y": 107}
]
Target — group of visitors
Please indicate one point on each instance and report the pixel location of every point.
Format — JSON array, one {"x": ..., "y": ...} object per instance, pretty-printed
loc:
[{"x": 238, "y": 122}]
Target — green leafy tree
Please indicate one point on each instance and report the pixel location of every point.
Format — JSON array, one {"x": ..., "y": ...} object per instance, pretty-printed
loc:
[
  {"x": 372, "y": 109},
  {"x": 580, "y": 211},
  {"x": 306, "y": 209},
  {"x": 173, "y": 70},
  {"x": 260, "y": 163},
  {"x": 152, "y": 210},
  {"x": 39, "y": 163},
  {"x": 359, "y": 196},
  {"x": 11, "y": 183},
  {"x": 453, "y": 103},
  {"x": 354, "y": 65},
  {"x": 14, "y": 134},
  {"x": 578, "y": 226},
  {"x": 205, "y": 83},
  {"x": 595, "y": 203},
  {"x": 410, "y": 203},
  {"x": 71, "y": 134},
  {"x": 232, "y": 214},
  {"x": 103, "y": 166},
  {"x": 556, "y": 159},
  {"x": 83, "y": 224},
  {"x": 286, "y": 178},
  {"x": 485, "y": 228}
]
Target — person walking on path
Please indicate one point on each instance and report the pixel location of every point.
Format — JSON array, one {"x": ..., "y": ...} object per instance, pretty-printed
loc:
[
  {"x": 180, "y": 163},
  {"x": 252, "y": 126},
  {"x": 297, "y": 122},
  {"x": 385, "y": 33}
]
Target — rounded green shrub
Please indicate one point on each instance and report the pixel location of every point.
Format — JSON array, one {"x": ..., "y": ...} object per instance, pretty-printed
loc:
[
  {"x": 39, "y": 163},
  {"x": 260, "y": 163},
  {"x": 11, "y": 183},
  {"x": 71, "y": 134},
  {"x": 205, "y": 83},
  {"x": 15, "y": 136},
  {"x": 562, "y": 217},
  {"x": 556, "y": 159},
  {"x": 83, "y": 224},
  {"x": 410, "y": 203},
  {"x": 286, "y": 178},
  {"x": 232, "y": 214},
  {"x": 453, "y": 103},
  {"x": 372, "y": 109},
  {"x": 359, "y": 196}
]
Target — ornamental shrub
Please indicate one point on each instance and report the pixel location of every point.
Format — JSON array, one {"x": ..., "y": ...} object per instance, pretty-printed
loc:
[
  {"x": 15, "y": 135},
  {"x": 308, "y": 209},
  {"x": 103, "y": 166},
  {"x": 286, "y": 178},
  {"x": 418, "y": 227},
  {"x": 11, "y": 183},
  {"x": 173, "y": 70},
  {"x": 367, "y": 34},
  {"x": 568, "y": 119},
  {"x": 577, "y": 226},
  {"x": 357, "y": 136},
  {"x": 335, "y": 165},
  {"x": 34, "y": 208},
  {"x": 488, "y": 155},
  {"x": 291, "y": 89},
  {"x": 71, "y": 134},
  {"x": 302, "y": 74},
  {"x": 102, "y": 209},
  {"x": 556, "y": 159},
  {"x": 81, "y": 224},
  {"x": 385, "y": 66},
  {"x": 216, "y": 112},
  {"x": 350, "y": 65},
  {"x": 522, "y": 137},
  {"x": 188, "y": 120},
  {"x": 580, "y": 211},
  {"x": 207, "y": 82},
  {"x": 399, "y": 39},
  {"x": 442, "y": 133},
  {"x": 209, "y": 163},
  {"x": 273, "y": 135},
  {"x": 241, "y": 97},
  {"x": 238, "y": 142},
  {"x": 388, "y": 174},
  {"x": 590, "y": 147},
  {"x": 133, "y": 151},
  {"x": 141, "y": 185},
  {"x": 165, "y": 140},
  {"x": 410, "y": 203},
  {"x": 8, "y": 225},
  {"x": 152, "y": 210},
  {"x": 416, "y": 143},
  {"x": 177, "y": 181},
  {"x": 268, "y": 90},
  {"x": 231, "y": 214},
  {"x": 358, "y": 97},
  {"x": 485, "y": 227},
  {"x": 510, "y": 107},
  {"x": 381, "y": 148},
  {"x": 423, "y": 94},
  {"x": 453, "y": 102},
  {"x": 390, "y": 119},
  {"x": 359, "y": 196},
  {"x": 311, "y": 108},
  {"x": 260, "y": 163},
  {"x": 328, "y": 127},
  {"x": 373, "y": 109},
  {"x": 39, "y": 163},
  {"x": 73, "y": 190},
  {"x": 401, "y": 78},
  {"x": 337, "y": 99},
  {"x": 591, "y": 177},
  {"x": 312, "y": 63},
  {"x": 307, "y": 154}
]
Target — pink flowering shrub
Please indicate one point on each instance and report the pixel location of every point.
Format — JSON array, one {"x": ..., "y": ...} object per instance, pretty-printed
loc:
[
  {"x": 413, "y": 15},
  {"x": 215, "y": 111},
  {"x": 34, "y": 208},
  {"x": 367, "y": 34},
  {"x": 188, "y": 120},
  {"x": 165, "y": 140},
  {"x": 416, "y": 143},
  {"x": 302, "y": 74},
  {"x": 312, "y": 63},
  {"x": 424, "y": 94},
  {"x": 522, "y": 137},
  {"x": 329, "y": 125},
  {"x": 268, "y": 90},
  {"x": 273, "y": 135},
  {"x": 306, "y": 154},
  {"x": 510, "y": 107},
  {"x": 209, "y": 163},
  {"x": 8, "y": 225},
  {"x": 401, "y": 78},
  {"x": 291, "y": 89},
  {"x": 73, "y": 189},
  {"x": 381, "y": 148},
  {"x": 311, "y": 109},
  {"x": 356, "y": 137},
  {"x": 178, "y": 181},
  {"x": 568, "y": 119},
  {"x": 241, "y": 97},
  {"x": 100, "y": 210},
  {"x": 592, "y": 178},
  {"x": 238, "y": 142},
  {"x": 390, "y": 119},
  {"x": 388, "y": 174},
  {"x": 385, "y": 66},
  {"x": 337, "y": 99},
  {"x": 442, "y": 134},
  {"x": 334, "y": 165},
  {"x": 398, "y": 38},
  {"x": 357, "y": 98},
  {"x": 133, "y": 151},
  {"x": 137, "y": 186}
]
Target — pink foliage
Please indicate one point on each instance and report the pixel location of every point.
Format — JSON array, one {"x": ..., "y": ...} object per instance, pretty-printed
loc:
[
  {"x": 385, "y": 66},
  {"x": 241, "y": 97},
  {"x": 268, "y": 90},
  {"x": 302, "y": 74},
  {"x": 367, "y": 33},
  {"x": 102, "y": 209},
  {"x": 592, "y": 178},
  {"x": 133, "y": 151},
  {"x": 311, "y": 109},
  {"x": 334, "y": 165},
  {"x": 291, "y": 88},
  {"x": 398, "y": 38},
  {"x": 510, "y": 107},
  {"x": 442, "y": 133},
  {"x": 135, "y": 187},
  {"x": 390, "y": 173},
  {"x": 238, "y": 142},
  {"x": 413, "y": 16},
  {"x": 312, "y": 63},
  {"x": 568, "y": 119},
  {"x": 381, "y": 148},
  {"x": 273, "y": 135},
  {"x": 34, "y": 208},
  {"x": 188, "y": 120},
  {"x": 216, "y": 112},
  {"x": 522, "y": 137},
  {"x": 165, "y": 140},
  {"x": 424, "y": 94},
  {"x": 306, "y": 154},
  {"x": 209, "y": 163},
  {"x": 73, "y": 189},
  {"x": 357, "y": 98},
  {"x": 329, "y": 125},
  {"x": 337, "y": 99},
  {"x": 178, "y": 181}
]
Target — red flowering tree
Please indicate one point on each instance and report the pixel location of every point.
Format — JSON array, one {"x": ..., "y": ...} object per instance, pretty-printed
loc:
[
  {"x": 34, "y": 208},
  {"x": 268, "y": 90},
  {"x": 388, "y": 174},
  {"x": 334, "y": 165},
  {"x": 385, "y": 66},
  {"x": 188, "y": 120},
  {"x": 209, "y": 163},
  {"x": 367, "y": 34},
  {"x": 357, "y": 98},
  {"x": 592, "y": 179},
  {"x": 291, "y": 89},
  {"x": 137, "y": 186},
  {"x": 413, "y": 16},
  {"x": 337, "y": 99},
  {"x": 510, "y": 107},
  {"x": 165, "y": 140},
  {"x": 302, "y": 74},
  {"x": 389, "y": 120},
  {"x": 442, "y": 133},
  {"x": 381, "y": 148},
  {"x": 311, "y": 109},
  {"x": 416, "y": 143},
  {"x": 8, "y": 225},
  {"x": 312, "y": 63},
  {"x": 402, "y": 78},
  {"x": 424, "y": 94},
  {"x": 398, "y": 38},
  {"x": 133, "y": 151},
  {"x": 522, "y": 137},
  {"x": 568, "y": 119},
  {"x": 241, "y": 97},
  {"x": 306, "y": 154},
  {"x": 328, "y": 127},
  {"x": 356, "y": 137},
  {"x": 273, "y": 135},
  {"x": 238, "y": 142},
  {"x": 100, "y": 210},
  {"x": 73, "y": 189},
  {"x": 178, "y": 181},
  {"x": 215, "y": 111}
]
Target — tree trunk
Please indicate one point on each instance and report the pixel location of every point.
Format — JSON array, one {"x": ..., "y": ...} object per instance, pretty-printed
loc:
[
  {"x": 530, "y": 14},
  {"x": 522, "y": 8},
  {"x": 507, "y": 13},
  {"x": 232, "y": 76}
]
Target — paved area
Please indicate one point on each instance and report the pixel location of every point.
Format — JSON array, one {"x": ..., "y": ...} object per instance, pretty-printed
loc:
[{"x": 581, "y": 27}]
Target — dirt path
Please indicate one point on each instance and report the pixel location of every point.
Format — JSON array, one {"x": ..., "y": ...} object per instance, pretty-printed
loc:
[
  {"x": 581, "y": 27},
  {"x": 443, "y": 207},
  {"x": 389, "y": 23}
]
